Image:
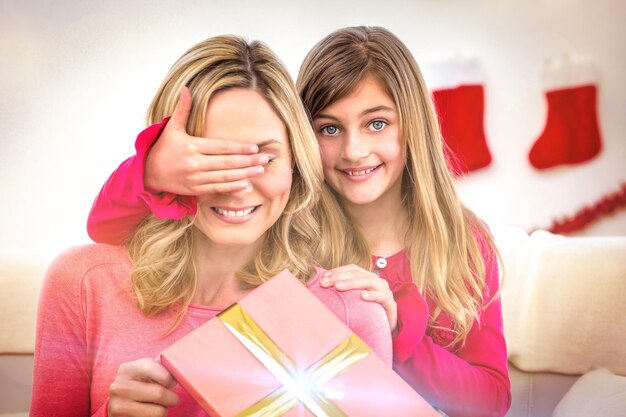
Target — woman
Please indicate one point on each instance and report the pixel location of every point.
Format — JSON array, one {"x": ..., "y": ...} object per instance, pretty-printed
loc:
[
  {"x": 107, "y": 311},
  {"x": 434, "y": 268}
]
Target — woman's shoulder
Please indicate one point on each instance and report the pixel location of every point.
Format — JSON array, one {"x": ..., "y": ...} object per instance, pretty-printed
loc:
[
  {"x": 74, "y": 263},
  {"x": 332, "y": 298},
  {"x": 347, "y": 305},
  {"x": 366, "y": 319},
  {"x": 81, "y": 272},
  {"x": 90, "y": 255}
]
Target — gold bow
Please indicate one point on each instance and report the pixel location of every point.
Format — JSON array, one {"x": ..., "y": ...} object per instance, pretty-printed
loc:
[{"x": 297, "y": 386}]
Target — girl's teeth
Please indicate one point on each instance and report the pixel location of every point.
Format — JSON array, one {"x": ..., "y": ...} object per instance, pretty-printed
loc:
[
  {"x": 358, "y": 173},
  {"x": 233, "y": 213}
]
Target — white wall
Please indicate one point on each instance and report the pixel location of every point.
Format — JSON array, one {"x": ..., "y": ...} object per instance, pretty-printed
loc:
[{"x": 77, "y": 76}]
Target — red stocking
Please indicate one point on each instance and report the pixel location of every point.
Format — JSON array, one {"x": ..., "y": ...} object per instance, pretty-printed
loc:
[
  {"x": 571, "y": 134},
  {"x": 458, "y": 95}
]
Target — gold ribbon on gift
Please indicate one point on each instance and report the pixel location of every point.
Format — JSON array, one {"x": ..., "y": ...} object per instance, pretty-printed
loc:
[{"x": 297, "y": 385}]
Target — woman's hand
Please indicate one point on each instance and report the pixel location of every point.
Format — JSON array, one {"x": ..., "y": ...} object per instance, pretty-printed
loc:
[
  {"x": 188, "y": 165},
  {"x": 142, "y": 388},
  {"x": 352, "y": 277}
]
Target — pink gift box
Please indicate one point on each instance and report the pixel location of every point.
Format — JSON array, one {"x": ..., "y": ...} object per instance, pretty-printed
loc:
[{"x": 218, "y": 366}]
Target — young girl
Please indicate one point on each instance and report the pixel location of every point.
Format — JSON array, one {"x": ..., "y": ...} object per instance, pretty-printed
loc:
[
  {"x": 434, "y": 268},
  {"x": 107, "y": 311}
]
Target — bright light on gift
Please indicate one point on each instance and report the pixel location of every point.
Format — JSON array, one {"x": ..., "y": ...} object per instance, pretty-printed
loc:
[
  {"x": 297, "y": 385},
  {"x": 300, "y": 387},
  {"x": 333, "y": 394}
]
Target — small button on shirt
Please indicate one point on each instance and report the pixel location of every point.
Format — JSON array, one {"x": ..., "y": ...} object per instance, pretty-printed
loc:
[{"x": 381, "y": 263}]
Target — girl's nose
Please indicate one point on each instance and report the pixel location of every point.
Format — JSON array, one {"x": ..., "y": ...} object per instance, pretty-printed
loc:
[{"x": 354, "y": 147}]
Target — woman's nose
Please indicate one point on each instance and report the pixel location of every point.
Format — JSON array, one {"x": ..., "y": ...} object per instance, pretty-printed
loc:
[{"x": 243, "y": 191}]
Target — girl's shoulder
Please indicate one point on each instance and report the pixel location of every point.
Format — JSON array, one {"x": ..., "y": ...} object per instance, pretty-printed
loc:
[
  {"x": 484, "y": 239},
  {"x": 489, "y": 253}
]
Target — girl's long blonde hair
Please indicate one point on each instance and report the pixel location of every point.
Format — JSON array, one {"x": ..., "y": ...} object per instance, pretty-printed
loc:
[
  {"x": 444, "y": 239},
  {"x": 312, "y": 229}
]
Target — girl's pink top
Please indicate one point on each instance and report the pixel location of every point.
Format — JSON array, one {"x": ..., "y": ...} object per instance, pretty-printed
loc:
[
  {"x": 468, "y": 380},
  {"x": 464, "y": 381}
]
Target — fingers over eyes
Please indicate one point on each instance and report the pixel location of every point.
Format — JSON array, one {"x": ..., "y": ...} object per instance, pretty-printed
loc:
[
  {"x": 228, "y": 162},
  {"x": 213, "y": 147}
]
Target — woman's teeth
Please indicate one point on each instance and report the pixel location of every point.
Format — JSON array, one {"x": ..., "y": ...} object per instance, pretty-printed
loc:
[{"x": 233, "y": 213}]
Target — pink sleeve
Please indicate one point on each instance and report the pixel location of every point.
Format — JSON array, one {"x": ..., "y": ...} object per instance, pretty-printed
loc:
[
  {"x": 473, "y": 380},
  {"x": 124, "y": 202},
  {"x": 61, "y": 369}
]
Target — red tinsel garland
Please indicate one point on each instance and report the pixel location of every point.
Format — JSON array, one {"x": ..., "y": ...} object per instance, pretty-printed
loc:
[{"x": 588, "y": 214}]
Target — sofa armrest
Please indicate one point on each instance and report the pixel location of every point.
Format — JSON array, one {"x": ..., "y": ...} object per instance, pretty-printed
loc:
[
  {"x": 536, "y": 394},
  {"x": 16, "y": 383}
]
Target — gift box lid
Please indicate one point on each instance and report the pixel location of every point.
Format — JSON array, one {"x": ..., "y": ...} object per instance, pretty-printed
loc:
[{"x": 281, "y": 351}]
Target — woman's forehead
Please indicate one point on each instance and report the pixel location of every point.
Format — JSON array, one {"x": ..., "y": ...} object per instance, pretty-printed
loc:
[{"x": 244, "y": 115}]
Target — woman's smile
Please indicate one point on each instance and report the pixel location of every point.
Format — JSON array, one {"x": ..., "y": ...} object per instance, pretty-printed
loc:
[{"x": 235, "y": 215}]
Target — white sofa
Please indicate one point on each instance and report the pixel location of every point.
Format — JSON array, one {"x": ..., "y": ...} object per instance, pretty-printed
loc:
[
  {"x": 564, "y": 307},
  {"x": 564, "y": 304}
]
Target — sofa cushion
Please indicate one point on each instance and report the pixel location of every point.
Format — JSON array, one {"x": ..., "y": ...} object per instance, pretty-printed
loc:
[
  {"x": 597, "y": 393},
  {"x": 21, "y": 276},
  {"x": 563, "y": 303}
]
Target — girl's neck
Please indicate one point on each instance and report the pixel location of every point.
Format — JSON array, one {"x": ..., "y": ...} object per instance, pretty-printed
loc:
[
  {"x": 382, "y": 222},
  {"x": 216, "y": 268}
]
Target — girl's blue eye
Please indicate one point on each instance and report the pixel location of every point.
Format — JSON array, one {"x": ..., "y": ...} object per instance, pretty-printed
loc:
[
  {"x": 329, "y": 130},
  {"x": 378, "y": 125}
]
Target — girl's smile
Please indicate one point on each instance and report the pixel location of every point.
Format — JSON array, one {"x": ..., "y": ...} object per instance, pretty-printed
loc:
[{"x": 360, "y": 173}]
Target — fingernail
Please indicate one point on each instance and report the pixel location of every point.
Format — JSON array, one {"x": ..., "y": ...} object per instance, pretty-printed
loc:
[
  {"x": 264, "y": 159},
  {"x": 325, "y": 281},
  {"x": 254, "y": 149},
  {"x": 365, "y": 295},
  {"x": 259, "y": 170}
]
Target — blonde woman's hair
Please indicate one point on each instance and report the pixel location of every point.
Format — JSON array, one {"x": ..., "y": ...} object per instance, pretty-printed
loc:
[
  {"x": 312, "y": 229},
  {"x": 444, "y": 238}
]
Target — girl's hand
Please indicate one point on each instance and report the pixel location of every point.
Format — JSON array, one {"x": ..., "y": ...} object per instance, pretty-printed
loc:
[
  {"x": 142, "y": 388},
  {"x": 352, "y": 277},
  {"x": 188, "y": 165}
]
